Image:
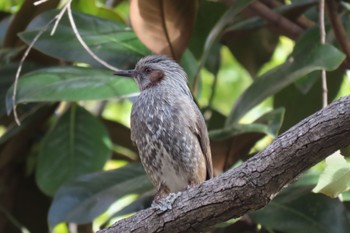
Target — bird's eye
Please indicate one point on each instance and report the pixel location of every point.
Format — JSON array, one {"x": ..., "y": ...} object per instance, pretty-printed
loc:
[{"x": 148, "y": 70}]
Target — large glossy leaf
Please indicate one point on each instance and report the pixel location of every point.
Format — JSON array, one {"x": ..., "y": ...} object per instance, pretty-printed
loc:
[
  {"x": 77, "y": 144},
  {"x": 84, "y": 198},
  {"x": 110, "y": 40},
  {"x": 219, "y": 27},
  {"x": 7, "y": 77},
  {"x": 164, "y": 26},
  {"x": 296, "y": 209},
  {"x": 70, "y": 83},
  {"x": 299, "y": 64},
  {"x": 208, "y": 12},
  {"x": 299, "y": 105}
]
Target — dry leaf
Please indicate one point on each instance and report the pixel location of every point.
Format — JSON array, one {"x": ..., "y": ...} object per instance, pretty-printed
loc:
[{"x": 164, "y": 26}]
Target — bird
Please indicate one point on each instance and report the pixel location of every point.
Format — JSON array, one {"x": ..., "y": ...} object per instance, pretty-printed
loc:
[{"x": 167, "y": 127}]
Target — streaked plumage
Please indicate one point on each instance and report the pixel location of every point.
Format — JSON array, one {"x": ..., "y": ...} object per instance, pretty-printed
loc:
[{"x": 168, "y": 128}]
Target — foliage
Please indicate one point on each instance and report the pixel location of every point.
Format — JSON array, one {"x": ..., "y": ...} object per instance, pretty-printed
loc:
[
  {"x": 64, "y": 162},
  {"x": 335, "y": 178}
]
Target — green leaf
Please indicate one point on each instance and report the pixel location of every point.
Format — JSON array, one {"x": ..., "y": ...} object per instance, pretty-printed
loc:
[
  {"x": 291, "y": 11},
  {"x": 71, "y": 84},
  {"x": 77, "y": 144},
  {"x": 296, "y": 209},
  {"x": 86, "y": 197},
  {"x": 302, "y": 104},
  {"x": 298, "y": 65},
  {"x": 252, "y": 49},
  {"x": 189, "y": 64},
  {"x": 31, "y": 115},
  {"x": 336, "y": 177},
  {"x": 305, "y": 84},
  {"x": 227, "y": 18},
  {"x": 7, "y": 74},
  {"x": 345, "y": 151},
  {"x": 110, "y": 40},
  {"x": 237, "y": 129},
  {"x": 208, "y": 12},
  {"x": 143, "y": 202},
  {"x": 234, "y": 142},
  {"x": 273, "y": 120},
  {"x": 92, "y": 7},
  {"x": 268, "y": 124}
]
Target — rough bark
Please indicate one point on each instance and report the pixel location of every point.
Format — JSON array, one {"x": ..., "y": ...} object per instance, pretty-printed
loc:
[{"x": 253, "y": 184}]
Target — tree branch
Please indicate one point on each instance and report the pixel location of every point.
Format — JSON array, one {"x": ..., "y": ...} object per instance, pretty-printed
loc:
[
  {"x": 338, "y": 28},
  {"x": 277, "y": 21},
  {"x": 253, "y": 184}
]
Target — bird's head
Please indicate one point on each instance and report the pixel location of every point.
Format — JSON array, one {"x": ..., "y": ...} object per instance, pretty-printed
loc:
[{"x": 156, "y": 70}]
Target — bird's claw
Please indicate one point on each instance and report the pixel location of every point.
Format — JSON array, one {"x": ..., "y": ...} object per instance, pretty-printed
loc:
[{"x": 165, "y": 203}]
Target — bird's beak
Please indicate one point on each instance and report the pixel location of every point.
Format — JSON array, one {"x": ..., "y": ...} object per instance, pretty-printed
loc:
[{"x": 125, "y": 73}]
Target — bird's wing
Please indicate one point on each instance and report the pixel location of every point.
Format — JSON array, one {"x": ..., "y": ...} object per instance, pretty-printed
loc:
[{"x": 202, "y": 135}]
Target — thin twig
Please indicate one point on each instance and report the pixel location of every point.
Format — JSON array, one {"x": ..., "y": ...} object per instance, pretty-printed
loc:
[
  {"x": 338, "y": 27},
  {"x": 281, "y": 23},
  {"x": 88, "y": 50},
  {"x": 18, "y": 72},
  {"x": 323, "y": 41},
  {"x": 59, "y": 17},
  {"x": 15, "y": 85},
  {"x": 39, "y": 2},
  {"x": 67, "y": 7},
  {"x": 213, "y": 90}
]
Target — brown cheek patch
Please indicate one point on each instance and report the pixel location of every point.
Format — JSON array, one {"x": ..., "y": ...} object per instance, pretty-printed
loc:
[{"x": 156, "y": 76}]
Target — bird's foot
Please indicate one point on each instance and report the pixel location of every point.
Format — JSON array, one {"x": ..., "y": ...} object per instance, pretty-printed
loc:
[
  {"x": 191, "y": 185},
  {"x": 166, "y": 203}
]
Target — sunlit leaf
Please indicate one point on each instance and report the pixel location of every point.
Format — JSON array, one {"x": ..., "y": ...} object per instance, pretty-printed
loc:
[
  {"x": 336, "y": 177},
  {"x": 93, "y": 7},
  {"x": 77, "y": 144},
  {"x": 318, "y": 57},
  {"x": 164, "y": 26},
  {"x": 252, "y": 48},
  {"x": 141, "y": 203},
  {"x": 86, "y": 197}
]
